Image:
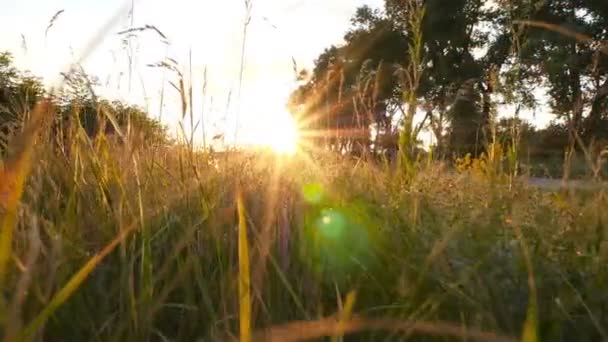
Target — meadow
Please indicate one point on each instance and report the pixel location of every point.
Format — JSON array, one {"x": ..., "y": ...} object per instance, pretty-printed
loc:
[
  {"x": 113, "y": 230},
  {"x": 115, "y": 242}
]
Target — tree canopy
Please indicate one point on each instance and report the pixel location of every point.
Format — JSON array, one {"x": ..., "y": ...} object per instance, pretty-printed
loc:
[
  {"x": 475, "y": 58},
  {"x": 76, "y": 104}
]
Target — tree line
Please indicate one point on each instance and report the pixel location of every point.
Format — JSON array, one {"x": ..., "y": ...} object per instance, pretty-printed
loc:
[
  {"x": 76, "y": 108},
  {"x": 453, "y": 64}
]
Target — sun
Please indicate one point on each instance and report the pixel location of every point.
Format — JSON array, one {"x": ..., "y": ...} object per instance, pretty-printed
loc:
[
  {"x": 284, "y": 137},
  {"x": 279, "y": 132}
]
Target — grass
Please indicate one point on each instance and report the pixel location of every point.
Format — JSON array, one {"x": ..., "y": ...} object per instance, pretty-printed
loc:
[
  {"x": 111, "y": 240},
  {"x": 141, "y": 244}
]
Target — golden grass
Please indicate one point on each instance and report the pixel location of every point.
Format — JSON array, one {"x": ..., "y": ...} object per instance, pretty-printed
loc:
[
  {"x": 307, "y": 330},
  {"x": 244, "y": 274}
]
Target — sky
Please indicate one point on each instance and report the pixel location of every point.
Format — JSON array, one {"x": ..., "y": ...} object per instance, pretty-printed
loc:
[{"x": 280, "y": 32}]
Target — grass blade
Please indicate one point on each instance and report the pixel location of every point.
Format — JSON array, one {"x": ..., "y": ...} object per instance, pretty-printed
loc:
[
  {"x": 244, "y": 276},
  {"x": 345, "y": 315},
  {"x": 12, "y": 181}
]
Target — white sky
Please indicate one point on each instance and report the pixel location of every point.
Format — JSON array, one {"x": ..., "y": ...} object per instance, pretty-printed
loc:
[{"x": 279, "y": 30}]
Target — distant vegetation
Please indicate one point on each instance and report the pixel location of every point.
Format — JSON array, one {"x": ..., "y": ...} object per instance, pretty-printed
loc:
[
  {"x": 456, "y": 63},
  {"x": 75, "y": 107}
]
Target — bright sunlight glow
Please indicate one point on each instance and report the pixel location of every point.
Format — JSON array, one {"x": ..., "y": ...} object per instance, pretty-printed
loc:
[{"x": 280, "y": 134}]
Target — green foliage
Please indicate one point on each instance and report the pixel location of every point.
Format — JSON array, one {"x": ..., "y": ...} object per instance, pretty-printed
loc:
[
  {"x": 355, "y": 85},
  {"x": 19, "y": 92},
  {"x": 474, "y": 57},
  {"x": 562, "y": 45},
  {"x": 449, "y": 79}
]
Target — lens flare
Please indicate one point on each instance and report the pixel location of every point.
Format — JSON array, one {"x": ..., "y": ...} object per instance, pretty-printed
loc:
[
  {"x": 332, "y": 224},
  {"x": 313, "y": 193}
]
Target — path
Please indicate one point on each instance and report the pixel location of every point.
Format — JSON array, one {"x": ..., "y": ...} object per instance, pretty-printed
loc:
[{"x": 556, "y": 184}]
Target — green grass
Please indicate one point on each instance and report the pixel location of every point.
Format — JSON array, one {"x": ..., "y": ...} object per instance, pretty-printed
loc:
[{"x": 119, "y": 243}]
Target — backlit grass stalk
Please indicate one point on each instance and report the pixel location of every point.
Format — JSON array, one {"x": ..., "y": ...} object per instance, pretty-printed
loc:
[
  {"x": 248, "y": 7},
  {"x": 411, "y": 81},
  {"x": 244, "y": 274},
  {"x": 24, "y": 282},
  {"x": 203, "y": 99},
  {"x": 146, "y": 245},
  {"x": 345, "y": 315},
  {"x": 530, "y": 328},
  {"x": 308, "y": 330},
  {"x": 17, "y": 167},
  {"x": 191, "y": 102}
]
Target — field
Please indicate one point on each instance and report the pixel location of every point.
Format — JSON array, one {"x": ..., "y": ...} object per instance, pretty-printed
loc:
[
  {"x": 344, "y": 217},
  {"x": 116, "y": 242}
]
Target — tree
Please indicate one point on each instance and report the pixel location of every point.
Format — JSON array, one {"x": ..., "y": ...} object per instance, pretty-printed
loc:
[
  {"x": 354, "y": 88},
  {"x": 454, "y": 89},
  {"x": 374, "y": 70},
  {"x": 564, "y": 42},
  {"x": 474, "y": 57},
  {"x": 18, "y": 94},
  {"x": 76, "y": 105}
]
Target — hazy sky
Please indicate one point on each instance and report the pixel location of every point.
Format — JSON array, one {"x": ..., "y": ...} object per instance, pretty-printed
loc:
[{"x": 278, "y": 31}]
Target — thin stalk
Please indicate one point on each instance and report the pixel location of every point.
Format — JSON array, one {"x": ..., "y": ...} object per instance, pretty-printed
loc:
[
  {"x": 203, "y": 108},
  {"x": 248, "y": 6}
]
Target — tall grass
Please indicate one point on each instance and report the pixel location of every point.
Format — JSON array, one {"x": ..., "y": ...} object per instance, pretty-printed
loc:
[{"x": 155, "y": 249}]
